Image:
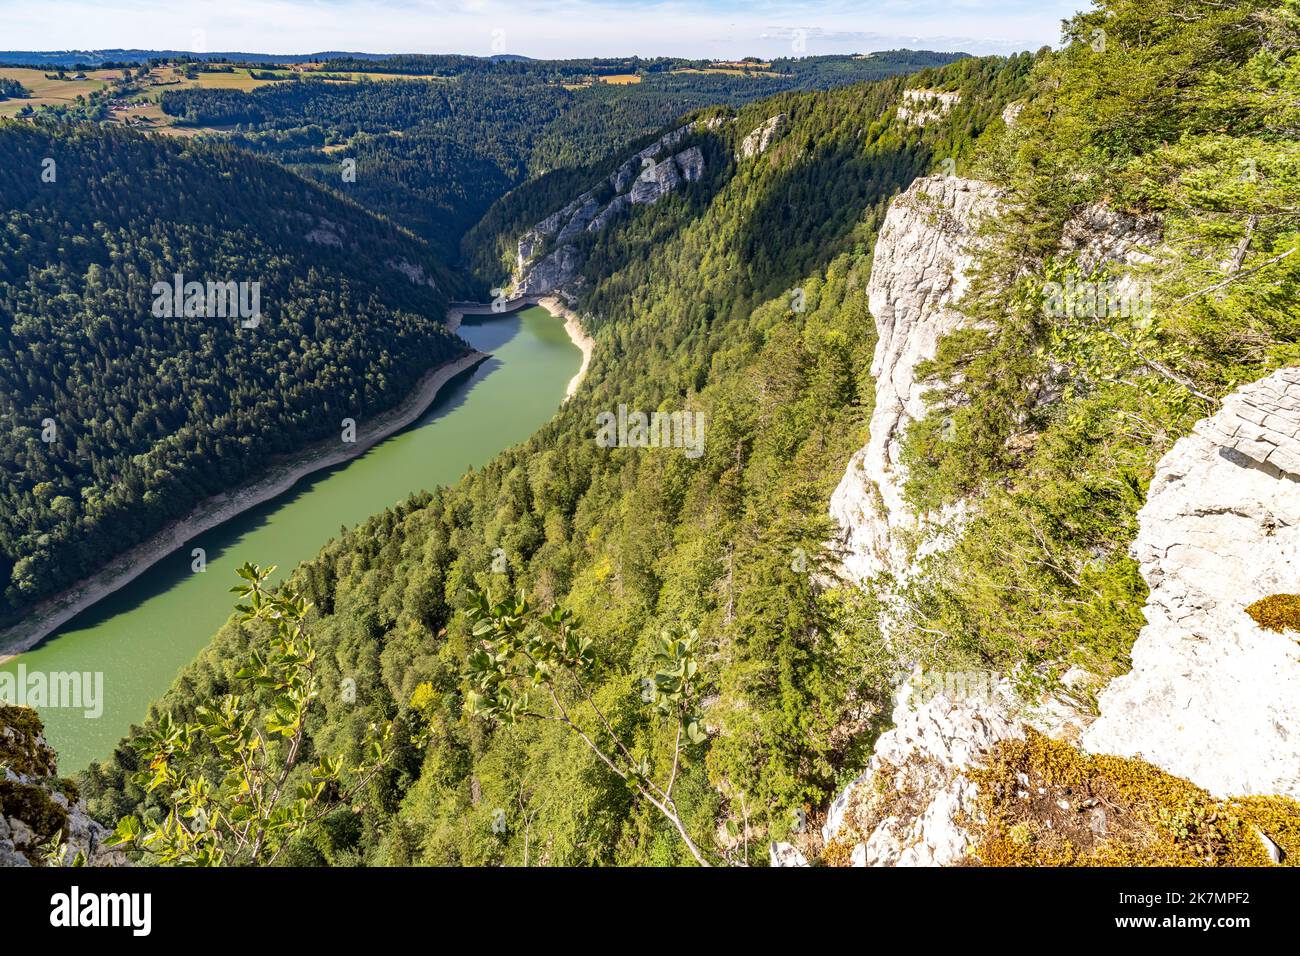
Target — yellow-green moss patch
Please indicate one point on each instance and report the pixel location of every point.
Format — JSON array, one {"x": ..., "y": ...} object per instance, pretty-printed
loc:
[
  {"x": 1277, "y": 612},
  {"x": 1044, "y": 803}
]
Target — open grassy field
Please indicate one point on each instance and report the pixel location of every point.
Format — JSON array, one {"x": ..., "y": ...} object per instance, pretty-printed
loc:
[
  {"x": 755, "y": 70},
  {"x": 50, "y": 92},
  {"x": 47, "y": 92},
  {"x": 170, "y": 77},
  {"x": 621, "y": 79}
]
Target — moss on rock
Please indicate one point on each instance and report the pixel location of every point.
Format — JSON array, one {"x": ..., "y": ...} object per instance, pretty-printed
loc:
[
  {"x": 33, "y": 805},
  {"x": 1277, "y": 612},
  {"x": 22, "y": 743},
  {"x": 1045, "y": 803}
]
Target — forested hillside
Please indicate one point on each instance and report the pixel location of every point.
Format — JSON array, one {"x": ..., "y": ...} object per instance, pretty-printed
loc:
[
  {"x": 696, "y": 311},
  {"x": 435, "y": 153},
  {"x": 120, "y": 418},
  {"x": 488, "y": 249}
]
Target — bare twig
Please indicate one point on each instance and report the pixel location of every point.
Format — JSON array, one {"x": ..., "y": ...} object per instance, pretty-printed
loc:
[{"x": 1234, "y": 278}]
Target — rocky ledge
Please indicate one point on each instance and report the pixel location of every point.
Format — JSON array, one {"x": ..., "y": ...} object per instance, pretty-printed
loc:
[
  {"x": 1195, "y": 756},
  {"x": 42, "y": 821},
  {"x": 921, "y": 107},
  {"x": 1213, "y": 696},
  {"x": 926, "y": 249},
  {"x": 547, "y": 255}
]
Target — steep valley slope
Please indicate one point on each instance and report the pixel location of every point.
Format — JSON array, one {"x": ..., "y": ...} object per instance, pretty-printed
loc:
[{"x": 127, "y": 405}]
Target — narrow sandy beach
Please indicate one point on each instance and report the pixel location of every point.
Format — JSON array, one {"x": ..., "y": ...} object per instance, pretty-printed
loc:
[{"x": 52, "y": 613}]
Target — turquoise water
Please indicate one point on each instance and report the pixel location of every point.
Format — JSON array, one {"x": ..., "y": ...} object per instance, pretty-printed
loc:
[{"x": 141, "y": 636}]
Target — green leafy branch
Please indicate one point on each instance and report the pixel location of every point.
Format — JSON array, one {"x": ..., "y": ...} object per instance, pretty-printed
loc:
[
  {"x": 524, "y": 655},
  {"x": 247, "y": 813}
]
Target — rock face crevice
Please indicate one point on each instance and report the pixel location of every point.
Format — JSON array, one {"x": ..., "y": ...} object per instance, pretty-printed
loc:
[
  {"x": 924, "y": 255},
  {"x": 921, "y": 107},
  {"x": 1212, "y": 696}
]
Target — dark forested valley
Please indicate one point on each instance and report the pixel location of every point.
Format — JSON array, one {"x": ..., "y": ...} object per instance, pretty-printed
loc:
[{"x": 434, "y": 153}]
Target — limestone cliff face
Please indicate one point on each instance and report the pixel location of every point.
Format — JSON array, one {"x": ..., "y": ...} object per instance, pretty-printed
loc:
[
  {"x": 923, "y": 257},
  {"x": 761, "y": 137},
  {"x": 1212, "y": 696},
  {"x": 37, "y": 809},
  {"x": 921, "y": 107},
  {"x": 547, "y": 256}
]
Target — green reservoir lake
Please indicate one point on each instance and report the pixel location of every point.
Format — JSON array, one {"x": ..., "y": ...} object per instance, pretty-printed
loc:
[{"x": 141, "y": 636}]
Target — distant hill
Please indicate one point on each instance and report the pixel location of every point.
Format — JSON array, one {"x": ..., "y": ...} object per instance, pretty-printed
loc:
[
  {"x": 438, "y": 62},
  {"x": 69, "y": 58}
]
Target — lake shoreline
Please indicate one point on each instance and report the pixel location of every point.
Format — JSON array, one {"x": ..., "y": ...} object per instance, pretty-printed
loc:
[
  {"x": 552, "y": 304},
  {"x": 54, "y": 612}
]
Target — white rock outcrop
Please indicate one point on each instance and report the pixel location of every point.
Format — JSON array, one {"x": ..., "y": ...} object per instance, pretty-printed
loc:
[
  {"x": 1212, "y": 696},
  {"x": 547, "y": 256},
  {"x": 785, "y": 854},
  {"x": 906, "y": 808},
  {"x": 761, "y": 137},
  {"x": 1100, "y": 236},
  {"x": 622, "y": 177},
  {"x": 413, "y": 272},
  {"x": 35, "y": 809},
  {"x": 923, "y": 255},
  {"x": 920, "y": 107}
]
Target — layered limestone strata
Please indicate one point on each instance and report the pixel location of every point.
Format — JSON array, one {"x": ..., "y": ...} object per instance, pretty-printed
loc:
[
  {"x": 1212, "y": 696},
  {"x": 547, "y": 257},
  {"x": 920, "y": 107}
]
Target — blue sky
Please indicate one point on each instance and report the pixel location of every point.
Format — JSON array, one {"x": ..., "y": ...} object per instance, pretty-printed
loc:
[{"x": 540, "y": 28}]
